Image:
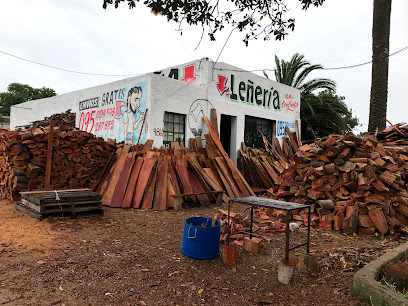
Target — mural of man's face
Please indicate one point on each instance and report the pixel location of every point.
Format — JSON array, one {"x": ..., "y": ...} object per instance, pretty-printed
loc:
[{"x": 135, "y": 101}]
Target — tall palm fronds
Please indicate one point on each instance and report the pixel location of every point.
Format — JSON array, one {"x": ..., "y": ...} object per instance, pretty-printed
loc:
[{"x": 321, "y": 112}]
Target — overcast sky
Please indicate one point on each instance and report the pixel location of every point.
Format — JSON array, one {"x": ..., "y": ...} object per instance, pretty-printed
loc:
[{"x": 80, "y": 35}]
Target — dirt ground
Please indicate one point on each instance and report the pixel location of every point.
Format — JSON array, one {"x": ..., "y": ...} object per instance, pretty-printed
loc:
[{"x": 133, "y": 257}]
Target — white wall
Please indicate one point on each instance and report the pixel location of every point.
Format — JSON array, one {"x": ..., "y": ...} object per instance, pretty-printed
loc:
[
  {"x": 169, "y": 95},
  {"x": 99, "y": 120},
  {"x": 215, "y": 87},
  {"x": 191, "y": 89}
]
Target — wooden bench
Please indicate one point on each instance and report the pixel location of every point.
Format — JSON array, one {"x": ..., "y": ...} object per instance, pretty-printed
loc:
[{"x": 178, "y": 198}]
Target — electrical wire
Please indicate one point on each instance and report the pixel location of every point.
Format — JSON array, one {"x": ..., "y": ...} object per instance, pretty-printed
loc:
[
  {"x": 220, "y": 69},
  {"x": 181, "y": 42},
  {"x": 329, "y": 68},
  {"x": 68, "y": 70}
]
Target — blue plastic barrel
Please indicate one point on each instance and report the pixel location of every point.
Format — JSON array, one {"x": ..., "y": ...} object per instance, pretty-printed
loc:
[{"x": 201, "y": 242}]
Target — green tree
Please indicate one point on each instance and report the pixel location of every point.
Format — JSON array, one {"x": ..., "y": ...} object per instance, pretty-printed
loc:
[
  {"x": 18, "y": 93},
  {"x": 330, "y": 115},
  {"x": 322, "y": 111},
  {"x": 253, "y": 17},
  {"x": 379, "y": 75}
]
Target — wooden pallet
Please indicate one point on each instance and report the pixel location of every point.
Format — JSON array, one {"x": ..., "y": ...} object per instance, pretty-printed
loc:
[{"x": 73, "y": 202}]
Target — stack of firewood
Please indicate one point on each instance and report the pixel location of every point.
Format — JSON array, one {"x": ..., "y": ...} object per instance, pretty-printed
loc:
[
  {"x": 151, "y": 179},
  {"x": 354, "y": 184},
  {"x": 76, "y": 161},
  {"x": 395, "y": 137}
]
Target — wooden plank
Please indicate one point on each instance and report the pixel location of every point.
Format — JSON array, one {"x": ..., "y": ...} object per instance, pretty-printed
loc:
[
  {"x": 228, "y": 188},
  {"x": 61, "y": 207},
  {"x": 233, "y": 167},
  {"x": 224, "y": 173},
  {"x": 149, "y": 194},
  {"x": 199, "y": 142},
  {"x": 123, "y": 181},
  {"x": 47, "y": 183},
  {"x": 285, "y": 147},
  {"x": 183, "y": 175},
  {"x": 208, "y": 139},
  {"x": 198, "y": 193},
  {"x": 104, "y": 173},
  {"x": 175, "y": 145},
  {"x": 207, "y": 180},
  {"x": 292, "y": 139},
  {"x": 58, "y": 190},
  {"x": 214, "y": 174},
  {"x": 107, "y": 197},
  {"x": 298, "y": 133},
  {"x": 193, "y": 144},
  {"x": 275, "y": 177},
  {"x": 143, "y": 181},
  {"x": 279, "y": 148},
  {"x": 174, "y": 179},
  {"x": 160, "y": 194},
  {"x": 170, "y": 191},
  {"x": 147, "y": 146},
  {"x": 214, "y": 120},
  {"x": 195, "y": 184},
  {"x": 131, "y": 186},
  {"x": 106, "y": 184},
  {"x": 239, "y": 179}
]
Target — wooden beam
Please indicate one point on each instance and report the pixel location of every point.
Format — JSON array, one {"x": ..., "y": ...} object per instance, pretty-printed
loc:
[
  {"x": 214, "y": 120},
  {"x": 218, "y": 144},
  {"x": 196, "y": 193}
]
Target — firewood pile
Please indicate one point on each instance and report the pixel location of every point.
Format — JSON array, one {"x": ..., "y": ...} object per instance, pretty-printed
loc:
[
  {"x": 76, "y": 161},
  {"x": 146, "y": 178},
  {"x": 240, "y": 227},
  {"x": 396, "y": 137},
  {"x": 354, "y": 184},
  {"x": 64, "y": 121}
]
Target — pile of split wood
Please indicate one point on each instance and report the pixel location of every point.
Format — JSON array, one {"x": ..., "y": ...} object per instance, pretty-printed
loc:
[
  {"x": 139, "y": 177},
  {"x": 396, "y": 137},
  {"x": 354, "y": 184},
  {"x": 263, "y": 167},
  {"x": 75, "y": 157},
  {"x": 64, "y": 121},
  {"x": 240, "y": 227}
]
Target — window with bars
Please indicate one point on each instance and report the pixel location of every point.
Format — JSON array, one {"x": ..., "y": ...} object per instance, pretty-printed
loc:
[{"x": 174, "y": 128}]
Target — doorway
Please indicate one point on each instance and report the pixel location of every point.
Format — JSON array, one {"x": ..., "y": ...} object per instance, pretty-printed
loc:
[{"x": 225, "y": 132}]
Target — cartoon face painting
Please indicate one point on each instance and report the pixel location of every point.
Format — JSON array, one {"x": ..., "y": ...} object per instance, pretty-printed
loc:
[{"x": 133, "y": 115}]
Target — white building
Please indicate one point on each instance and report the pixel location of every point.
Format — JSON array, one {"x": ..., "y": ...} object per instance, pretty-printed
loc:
[{"x": 173, "y": 101}]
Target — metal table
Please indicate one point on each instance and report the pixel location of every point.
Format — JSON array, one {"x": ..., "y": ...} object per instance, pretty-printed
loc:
[{"x": 281, "y": 205}]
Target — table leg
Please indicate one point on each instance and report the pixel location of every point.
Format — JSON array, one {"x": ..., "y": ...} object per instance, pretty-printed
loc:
[
  {"x": 308, "y": 230},
  {"x": 252, "y": 221},
  {"x": 229, "y": 225},
  {"x": 287, "y": 236}
]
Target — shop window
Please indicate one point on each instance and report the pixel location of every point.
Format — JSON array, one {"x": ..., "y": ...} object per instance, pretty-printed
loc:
[
  {"x": 174, "y": 127},
  {"x": 252, "y": 137}
]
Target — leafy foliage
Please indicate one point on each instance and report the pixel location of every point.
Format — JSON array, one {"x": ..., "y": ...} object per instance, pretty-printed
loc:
[
  {"x": 254, "y": 17},
  {"x": 330, "y": 114},
  {"x": 321, "y": 110},
  {"x": 18, "y": 93}
]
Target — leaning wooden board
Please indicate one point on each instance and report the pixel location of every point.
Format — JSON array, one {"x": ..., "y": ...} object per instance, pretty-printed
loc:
[{"x": 230, "y": 163}]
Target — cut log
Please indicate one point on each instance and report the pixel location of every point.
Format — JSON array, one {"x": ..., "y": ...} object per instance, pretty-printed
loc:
[{"x": 379, "y": 220}]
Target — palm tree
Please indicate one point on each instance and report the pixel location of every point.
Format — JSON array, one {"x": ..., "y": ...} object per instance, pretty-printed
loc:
[
  {"x": 379, "y": 75},
  {"x": 321, "y": 113}
]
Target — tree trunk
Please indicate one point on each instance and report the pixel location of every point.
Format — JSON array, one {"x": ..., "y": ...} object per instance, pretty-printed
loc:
[{"x": 379, "y": 74}]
